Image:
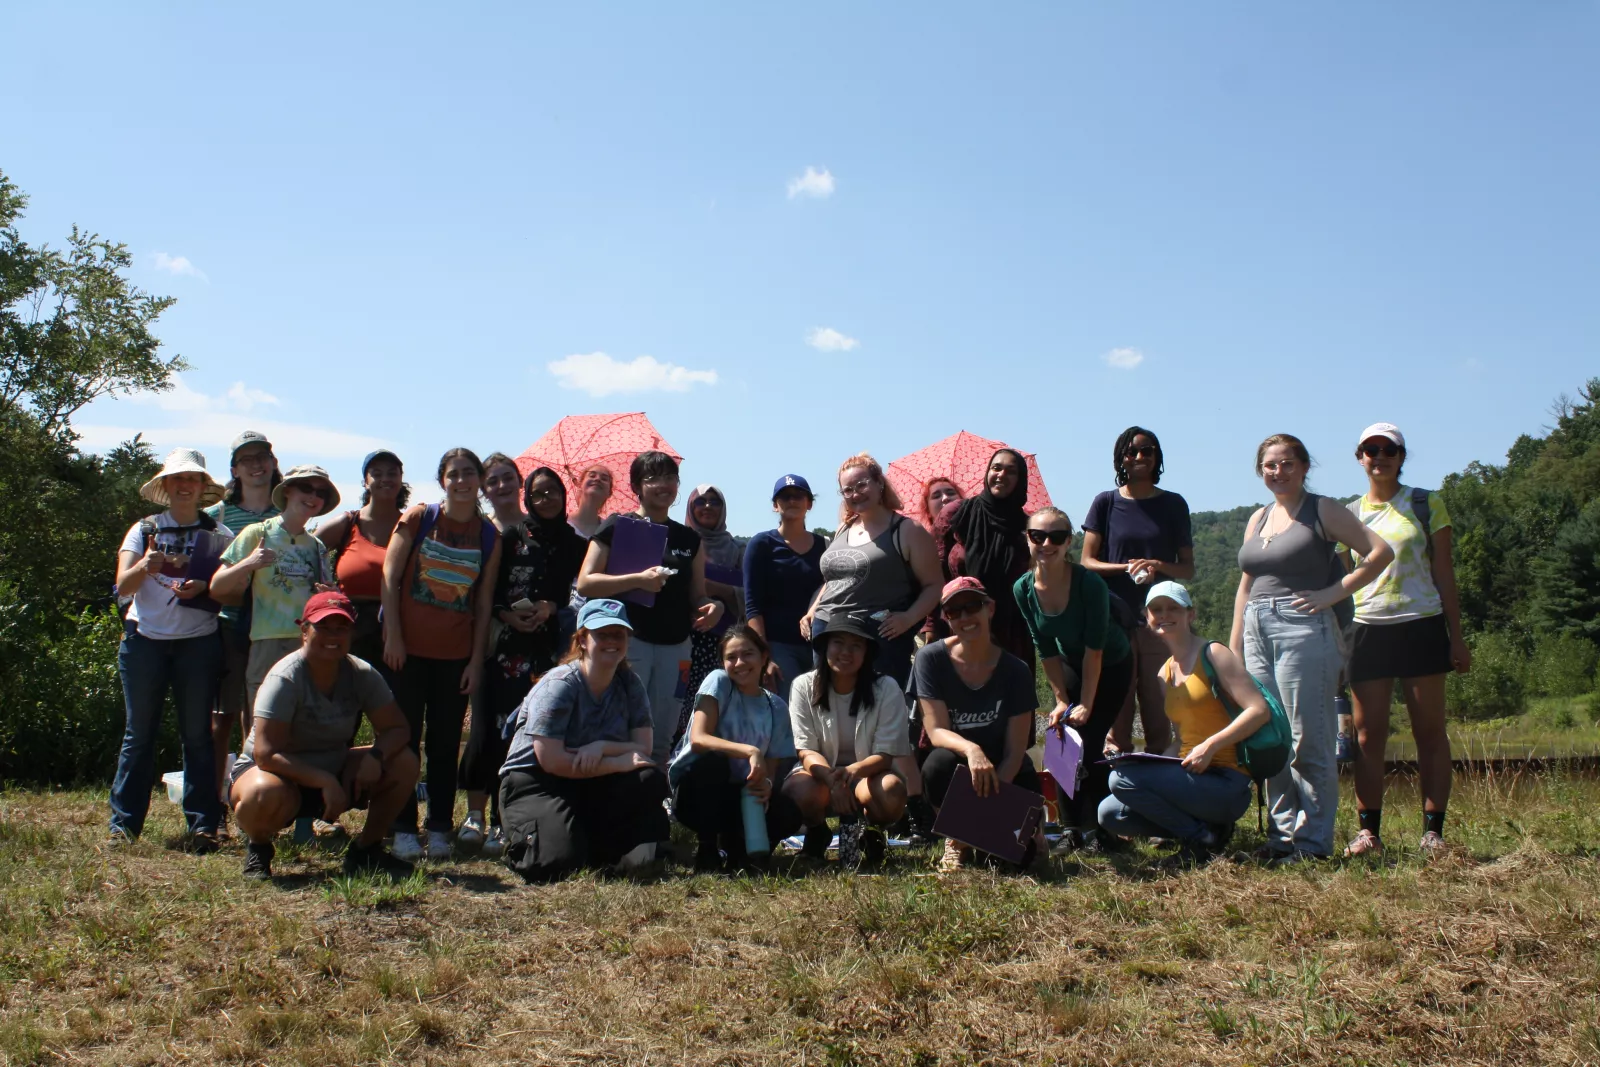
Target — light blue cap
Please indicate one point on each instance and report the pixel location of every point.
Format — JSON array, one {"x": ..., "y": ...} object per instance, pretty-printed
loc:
[
  {"x": 1172, "y": 591},
  {"x": 598, "y": 614}
]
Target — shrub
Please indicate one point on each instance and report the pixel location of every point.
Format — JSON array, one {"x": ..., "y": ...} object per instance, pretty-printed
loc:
[
  {"x": 1563, "y": 665},
  {"x": 1496, "y": 687}
]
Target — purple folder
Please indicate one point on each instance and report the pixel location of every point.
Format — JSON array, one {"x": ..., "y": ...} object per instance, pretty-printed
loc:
[
  {"x": 1001, "y": 825},
  {"x": 1063, "y": 752},
  {"x": 636, "y": 546}
]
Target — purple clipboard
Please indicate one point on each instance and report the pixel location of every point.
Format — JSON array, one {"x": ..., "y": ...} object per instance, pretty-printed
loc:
[
  {"x": 636, "y": 545},
  {"x": 1141, "y": 757},
  {"x": 1001, "y": 825},
  {"x": 1063, "y": 752}
]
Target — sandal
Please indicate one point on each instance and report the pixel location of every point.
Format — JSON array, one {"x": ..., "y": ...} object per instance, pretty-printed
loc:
[{"x": 1366, "y": 843}]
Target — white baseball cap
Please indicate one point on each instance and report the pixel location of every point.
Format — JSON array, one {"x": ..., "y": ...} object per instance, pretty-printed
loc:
[{"x": 1383, "y": 429}]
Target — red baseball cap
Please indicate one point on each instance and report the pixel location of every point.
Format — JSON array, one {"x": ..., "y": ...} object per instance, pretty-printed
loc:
[
  {"x": 332, "y": 602},
  {"x": 965, "y": 584}
]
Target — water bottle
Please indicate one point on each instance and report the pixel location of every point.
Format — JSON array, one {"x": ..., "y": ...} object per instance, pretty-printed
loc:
[
  {"x": 755, "y": 823},
  {"x": 1345, "y": 751},
  {"x": 849, "y": 842}
]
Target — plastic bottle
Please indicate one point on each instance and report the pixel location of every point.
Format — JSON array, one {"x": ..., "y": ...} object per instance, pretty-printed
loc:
[
  {"x": 755, "y": 823},
  {"x": 849, "y": 841},
  {"x": 1345, "y": 751}
]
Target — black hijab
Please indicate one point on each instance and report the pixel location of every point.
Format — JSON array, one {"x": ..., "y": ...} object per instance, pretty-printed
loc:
[
  {"x": 550, "y": 528},
  {"x": 990, "y": 528}
]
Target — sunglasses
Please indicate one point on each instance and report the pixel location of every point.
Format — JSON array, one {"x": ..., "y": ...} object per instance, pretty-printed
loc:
[
  {"x": 1372, "y": 450},
  {"x": 545, "y": 494},
  {"x": 1055, "y": 537},
  {"x": 1140, "y": 452},
  {"x": 323, "y": 491},
  {"x": 962, "y": 608}
]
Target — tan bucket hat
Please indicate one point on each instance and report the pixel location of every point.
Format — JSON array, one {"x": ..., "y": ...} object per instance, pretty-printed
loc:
[
  {"x": 306, "y": 472},
  {"x": 182, "y": 461}
]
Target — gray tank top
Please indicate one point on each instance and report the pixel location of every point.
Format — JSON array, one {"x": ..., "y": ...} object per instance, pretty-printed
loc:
[
  {"x": 866, "y": 578},
  {"x": 1296, "y": 560}
]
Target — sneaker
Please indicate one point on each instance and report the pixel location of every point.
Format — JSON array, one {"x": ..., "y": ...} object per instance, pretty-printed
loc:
[
  {"x": 258, "y": 861},
  {"x": 407, "y": 847},
  {"x": 375, "y": 860},
  {"x": 1432, "y": 844},
  {"x": 873, "y": 846},
  {"x": 818, "y": 838},
  {"x": 637, "y": 858},
  {"x": 707, "y": 857},
  {"x": 1365, "y": 843},
  {"x": 954, "y": 857},
  {"x": 1269, "y": 854},
  {"x": 471, "y": 835},
  {"x": 438, "y": 845},
  {"x": 494, "y": 843},
  {"x": 1298, "y": 856}
]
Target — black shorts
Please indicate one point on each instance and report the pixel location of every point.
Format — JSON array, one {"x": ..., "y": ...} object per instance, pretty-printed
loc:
[
  {"x": 311, "y": 803},
  {"x": 1414, "y": 649}
]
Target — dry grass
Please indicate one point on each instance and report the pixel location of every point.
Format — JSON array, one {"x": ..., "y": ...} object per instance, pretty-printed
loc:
[{"x": 147, "y": 956}]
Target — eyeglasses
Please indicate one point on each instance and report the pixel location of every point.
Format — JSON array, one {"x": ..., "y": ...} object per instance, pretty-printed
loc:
[
  {"x": 659, "y": 483},
  {"x": 1287, "y": 466},
  {"x": 263, "y": 458},
  {"x": 1372, "y": 449},
  {"x": 1055, "y": 537},
  {"x": 960, "y": 609},
  {"x": 708, "y": 502},
  {"x": 856, "y": 488},
  {"x": 1139, "y": 452},
  {"x": 543, "y": 494}
]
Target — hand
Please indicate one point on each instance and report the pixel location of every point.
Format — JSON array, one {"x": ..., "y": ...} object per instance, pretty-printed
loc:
[
  {"x": 191, "y": 588},
  {"x": 805, "y": 625},
  {"x": 334, "y": 801},
  {"x": 369, "y": 768},
  {"x": 706, "y": 616},
  {"x": 470, "y": 676},
  {"x": 1198, "y": 761},
  {"x": 394, "y": 645},
  {"x": 587, "y": 758},
  {"x": 1079, "y": 716},
  {"x": 652, "y": 580},
  {"x": 841, "y": 791},
  {"x": 261, "y": 557},
  {"x": 325, "y": 587},
  {"x": 772, "y": 677},
  {"x": 153, "y": 561},
  {"x": 1319, "y": 600},
  {"x": 542, "y": 610},
  {"x": 1460, "y": 655},
  {"x": 520, "y": 621},
  {"x": 985, "y": 780},
  {"x": 1058, "y": 714},
  {"x": 896, "y": 624},
  {"x": 637, "y": 760},
  {"x": 756, "y": 781},
  {"x": 1144, "y": 570}
]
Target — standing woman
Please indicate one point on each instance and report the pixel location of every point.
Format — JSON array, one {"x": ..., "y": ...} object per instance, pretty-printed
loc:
[
  {"x": 989, "y": 531},
  {"x": 594, "y": 492},
  {"x": 660, "y": 642},
  {"x": 1407, "y": 627},
  {"x": 502, "y": 488},
  {"x": 539, "y": 561},
  {"x": 938, "y": 494},
  {"x": 1285, "y": 630},
  {"x": 436, "y": 605},
  {"x": 169, "y": 643},
  {"x": 707, "y": 515},
  {"x": 1134, "y": 536},
  {"x": 1067, "y": 609},
  {"x": 359, "y": 541},
  {"x": 782, "y": 572}
]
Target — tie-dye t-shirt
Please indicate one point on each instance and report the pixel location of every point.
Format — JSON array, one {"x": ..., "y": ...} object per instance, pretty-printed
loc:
[
  {"x": 279, "y": 590},
  {"x": 436, "y": 601},
  {"x": 1405, "y": 589}
]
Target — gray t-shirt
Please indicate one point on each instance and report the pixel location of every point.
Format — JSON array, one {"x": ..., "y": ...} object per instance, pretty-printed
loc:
[
  {"x": 872, "y": 576},
  {"x": 1296, "y": 560},
  {"x": 321, "y": 725},
  {"x": 562, "y": 706}
]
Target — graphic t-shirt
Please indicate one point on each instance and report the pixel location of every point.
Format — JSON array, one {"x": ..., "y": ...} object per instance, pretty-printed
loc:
[
  {"x": 438, "y": 591},
  {"x": 236, "y": 519},
  {"x": 1153, "y": 528},
  {"x": 280, "y": 590},
  {"x": 322, "y": 726},
  {"x": 560, "y": 705},
  {"x": 761, "y": 720},
  {"x": 980, "y": 715},
  {"x": 1404, "y": 590},
  {"x": 155, "y": 608},
  {"x": 667, "y": 621}
]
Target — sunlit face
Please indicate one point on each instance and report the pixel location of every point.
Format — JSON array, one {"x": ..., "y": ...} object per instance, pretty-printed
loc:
[
  {"x": 1056, "y": 539},
  {"x": 659, "y": 493},
  {"x": 184, "y": 489},
  {"x": 744, "y": 663},
  {"x": 1167, "y": 616},
  {"x": 384, "y": 478},
  {"x": 859, "y": 488},
  {"x": 1282, "y": 471},
  {"x": 708, "y": 511},
  {"x": 942, "y": 494},
  {"x": 846, "y": 653},
  {"x": 596, "y": 485},
  {"x": 461, "y": 480},
  {"x": 326, "y": 639},
  {"x": 502, "y": 485},
  {"x": 1003, "y": 474},
  {"x": 253, "y": 466},
  {"x": 607, "y": 646},
  {"x": 307, "y": 498},
  {"x": 1380, "y": 458},
  {"x": 969, "y": 615},
  {"x": 548, "y": 496},
  {"x": 1139, "y": 458},
  {"x": 792, "y": 504}
]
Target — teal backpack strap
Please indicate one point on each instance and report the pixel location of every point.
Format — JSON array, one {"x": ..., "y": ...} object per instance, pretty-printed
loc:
[{"x": 1233, "y": 712}]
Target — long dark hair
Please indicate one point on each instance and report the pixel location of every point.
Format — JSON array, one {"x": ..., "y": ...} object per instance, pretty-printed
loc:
[
  {"x": 866, "y": 679},
  {"x": 1125, "y": 439},
  {"x": 459, "y": 453},
  {"x": 235, "y": 488}
]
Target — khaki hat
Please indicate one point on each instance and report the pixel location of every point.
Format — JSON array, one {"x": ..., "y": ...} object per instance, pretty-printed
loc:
[
  {"x": 304, "y": 473},
  {"x": 182, "y": 461}
]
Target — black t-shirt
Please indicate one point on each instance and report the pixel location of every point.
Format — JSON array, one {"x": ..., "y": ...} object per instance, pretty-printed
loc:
[
  {"x": 1153, "y": 528},
  {"x": 666, "y": 622},
  {"x": 980, "y": 715}
]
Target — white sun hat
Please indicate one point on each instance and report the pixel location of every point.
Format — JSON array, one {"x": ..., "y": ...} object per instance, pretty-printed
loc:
[{"x": 182, "y": 461}]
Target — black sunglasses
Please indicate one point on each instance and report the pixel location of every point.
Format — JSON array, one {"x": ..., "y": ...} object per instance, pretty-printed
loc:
[
  {"x": 1055, "y": 537},
  {"x": 962, "y": 608},
  {"x": 1372, "y": 450},
  {"x": 1139, "y": 452}
]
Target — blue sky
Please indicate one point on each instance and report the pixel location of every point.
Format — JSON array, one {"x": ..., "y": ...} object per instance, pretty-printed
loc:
[{"x": 384, "y": 224}]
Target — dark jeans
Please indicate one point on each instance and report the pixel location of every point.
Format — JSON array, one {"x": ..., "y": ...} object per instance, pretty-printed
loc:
[
  {"x": 1094, "y": 776},
  {"x": 190, "y": 668},
  {"x": 940, "y": 767},
  {"x": 708, "y": 802},
  {"x": 487, "y": 743},
  {"x": 429, "y": 693},
  {"x": 556, "y": 826}
]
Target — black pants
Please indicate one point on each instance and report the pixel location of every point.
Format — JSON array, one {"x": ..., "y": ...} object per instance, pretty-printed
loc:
[
  {"x": 708, "y": 802},
  {"x": 940, "y": 767},
  {"x": 555, "y": 826},
  {"x": 1094, "y": 777},
  {"x": 366, "y": 640},
  {"x": 486, "y": 742},
  {"x": 429, "y": 693}
]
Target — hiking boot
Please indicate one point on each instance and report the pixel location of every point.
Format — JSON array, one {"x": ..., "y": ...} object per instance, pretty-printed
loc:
[
  {"x": 258, "y": 861},
  {"x": 817, "y": 841},
  {"x": 438, "y": 845},
  {"x": 407, "y": 847},
  {"x": 921, "y": 815},
  {"x": 375, "y": 859},
  {"x": 873, "y": 846},
  {"x": 471, "y": 836},
  {"x": 707, "y": 857}
]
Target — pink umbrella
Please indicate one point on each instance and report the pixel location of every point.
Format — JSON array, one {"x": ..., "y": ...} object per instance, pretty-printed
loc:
[
  {"x": 961, "y": 458},
  {"x": 578, "y": 442}
]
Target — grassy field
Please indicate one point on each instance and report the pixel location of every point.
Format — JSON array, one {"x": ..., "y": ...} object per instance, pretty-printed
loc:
[{"x": 148, "y": 956}]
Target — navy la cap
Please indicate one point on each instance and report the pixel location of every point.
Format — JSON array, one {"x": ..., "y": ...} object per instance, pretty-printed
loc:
[
  {"x": 792, "y": 481},
  {"x": 374, "y": 455}
]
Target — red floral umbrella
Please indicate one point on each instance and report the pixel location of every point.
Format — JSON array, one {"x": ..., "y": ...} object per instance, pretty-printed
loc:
[
  {"x": 578, "y": 442},
  {"x": 962, "y": 458}
]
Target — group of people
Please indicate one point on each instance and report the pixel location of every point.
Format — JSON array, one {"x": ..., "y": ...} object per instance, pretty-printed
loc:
[{"x": 753, "y": 691}]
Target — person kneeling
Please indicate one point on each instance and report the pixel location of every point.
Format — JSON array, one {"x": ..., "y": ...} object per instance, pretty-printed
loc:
[
  {"x": 738, "y": 743},
  {"x": 578, "y": 789},
  {"x": 849, "y": 724},
  {"x": 298, "y": 761},
  {"x": 1196, "y": 801}
]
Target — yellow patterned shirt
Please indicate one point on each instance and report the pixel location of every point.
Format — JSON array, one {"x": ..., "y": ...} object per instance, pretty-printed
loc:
[{"x": 1405, "y": 589}]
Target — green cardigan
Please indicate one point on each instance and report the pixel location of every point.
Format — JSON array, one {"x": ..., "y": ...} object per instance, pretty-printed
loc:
[{"x": 1085, "y": 624}]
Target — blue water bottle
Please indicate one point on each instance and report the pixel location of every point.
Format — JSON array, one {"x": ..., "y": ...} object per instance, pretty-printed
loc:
[{"x": 755, "y": 823}]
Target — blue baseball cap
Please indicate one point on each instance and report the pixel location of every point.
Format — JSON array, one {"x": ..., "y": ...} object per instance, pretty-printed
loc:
[
  {"x": 379, "y": 454},
  {"x": 1172, "y": 591},
  {"x": 598, "y": 614},
  {"x": 792, "y": 481}
]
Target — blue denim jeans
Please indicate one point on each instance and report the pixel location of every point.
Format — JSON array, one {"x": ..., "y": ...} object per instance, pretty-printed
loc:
[
  {"x": 1297, "y": 655},
  {"x": 1164, "y": 800},
  {"x": 191, "y": 668},
  {"x": 792, "y": 661},
  {"x": 659, "y": 668}
]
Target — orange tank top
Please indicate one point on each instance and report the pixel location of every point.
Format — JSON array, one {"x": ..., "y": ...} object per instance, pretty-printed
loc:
[{"x": 360, "y": 567}]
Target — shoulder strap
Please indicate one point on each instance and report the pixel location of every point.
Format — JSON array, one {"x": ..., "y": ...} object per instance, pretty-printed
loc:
[
  {"x": 1213, "y": 680},
  {"x": 487, "y": 534},
  {"x": 1422, "y": 507},
  {"x": 894, "y": 536},
  {"x": 430, "y": 519},
  {"x": 1261, "y": 523}
]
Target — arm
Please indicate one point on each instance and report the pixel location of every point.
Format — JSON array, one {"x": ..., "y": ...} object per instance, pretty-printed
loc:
[
  {"x": 1253, "y": 712},
  {"x": 1183, "y": 569},
  {"x": 704, "y": 610},
  {"x": 482, "y": 605},
  {"x": 395, "y": 558},
  {"x": 1017, "y": 730},
  {"x": 1093, "y": 658},
  {"x": 925, "y": 565},
  {"x": 133, "y": 568},
  {"x": 594, "y": 582},
  {"x": 1345, "y": 528},
  {"x": 272, "y": 738},
  {"x": 1444, "y": 579},
  {"x": 1093, "y": 542},
  {"x": 556, "y": 758},
  {"x": 703, "y": 733},
  {"x": 756, "y": 557},
  {"x": 250, "y": 554},
  {"x": 1241, "y": 597},
  {"x": 936, "y": 721},
  {"x": 333, "y": 532}
]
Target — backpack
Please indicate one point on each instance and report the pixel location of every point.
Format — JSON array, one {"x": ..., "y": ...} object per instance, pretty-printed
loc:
[
  {"x": 1266, "y": 752},
  {"x": 1422, "y": 508},
  {"x": 487, "y": 534},
  {"x": 1344, "y": 612}
]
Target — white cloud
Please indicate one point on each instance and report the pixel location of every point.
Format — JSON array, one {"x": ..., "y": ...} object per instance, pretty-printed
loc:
[
  {"x": 813, "y": 183},
  {"x": 598, "y": 374},
  {"x": 827, "y": 339},
  {"x": 1123, "y": 358},
  {"x": 177, "y": 265}
]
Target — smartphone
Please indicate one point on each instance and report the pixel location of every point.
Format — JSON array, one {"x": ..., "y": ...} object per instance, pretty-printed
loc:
[{"x": 523, "y": 605}]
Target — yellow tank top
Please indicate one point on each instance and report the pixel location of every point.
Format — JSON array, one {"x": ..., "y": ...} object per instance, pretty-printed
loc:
[{"x": 1195, "y": 710}]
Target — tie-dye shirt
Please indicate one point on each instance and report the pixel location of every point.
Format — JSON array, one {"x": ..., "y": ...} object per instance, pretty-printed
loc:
[
  {"x": 436, "y": 601},
  {"x": 1405, "y": 589},
  {"x": 279, "y": 590}
]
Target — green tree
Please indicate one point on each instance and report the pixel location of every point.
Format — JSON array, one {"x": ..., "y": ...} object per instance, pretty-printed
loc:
[{"x": 1566, "y": 596}]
